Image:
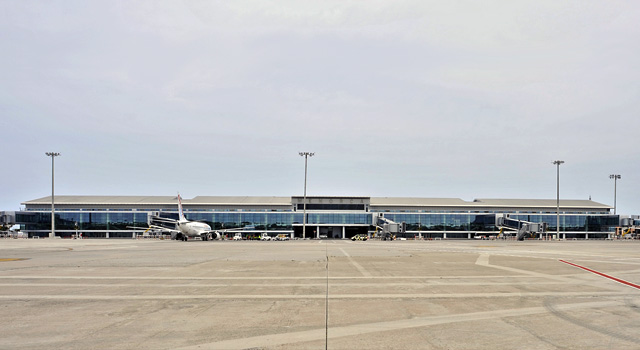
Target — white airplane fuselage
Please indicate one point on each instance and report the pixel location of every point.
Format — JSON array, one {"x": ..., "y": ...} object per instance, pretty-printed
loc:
[
  {"x": 193, "y": 228},
  {"x": 188, "y": 228}
]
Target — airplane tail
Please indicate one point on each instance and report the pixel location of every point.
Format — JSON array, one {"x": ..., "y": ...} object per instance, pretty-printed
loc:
[{"x": 180, "y": 212}]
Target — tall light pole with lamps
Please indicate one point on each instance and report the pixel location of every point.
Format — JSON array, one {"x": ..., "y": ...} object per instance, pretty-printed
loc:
[
  {"x": 53, "y": 155},
  {"x": 615, "y": 178},
  {"x": 558, "y": 162},
  {"x": 306, "y": 156}
]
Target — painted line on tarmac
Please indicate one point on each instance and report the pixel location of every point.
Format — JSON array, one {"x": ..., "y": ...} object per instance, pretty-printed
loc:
[
  {"x": 362, "y": 270},
  {"x": 263, "y": 278},
  {"x": 182, "y": 296},
  {"x": 483, "y": 260},
  {"x": 12, "y": 259},
  {"x": 257, "y": 285},
  {"x": 511, "y": 252},
  {"x": 614, "y": 261},
  {"x": 603, "y": 275},
  {"x": 275, "y": 340}
]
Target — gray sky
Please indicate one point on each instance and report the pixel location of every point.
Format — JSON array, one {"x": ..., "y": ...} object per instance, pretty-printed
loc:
[{"x": 462, "y": 99}]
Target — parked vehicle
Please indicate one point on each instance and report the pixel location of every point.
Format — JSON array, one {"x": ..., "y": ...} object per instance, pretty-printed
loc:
[{"x": 359, "y": 237}]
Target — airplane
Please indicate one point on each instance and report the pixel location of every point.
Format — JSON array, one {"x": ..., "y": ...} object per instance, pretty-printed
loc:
[{"x": 183, "y": 229}]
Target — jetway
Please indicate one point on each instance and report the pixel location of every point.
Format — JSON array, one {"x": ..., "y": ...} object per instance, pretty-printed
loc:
[
  {"x": 629, "y": 232},
  {"x": 629, "y": 227},
  {"x": 7, "y": 218},
  {"x": 521, "y": 227},
  {"x": 389, "y": 229}
]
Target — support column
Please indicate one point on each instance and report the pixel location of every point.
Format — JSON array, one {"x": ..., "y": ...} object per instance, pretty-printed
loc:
[{"x": 344, "y": 232}]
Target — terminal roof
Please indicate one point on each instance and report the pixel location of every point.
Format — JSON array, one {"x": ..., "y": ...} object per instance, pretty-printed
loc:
[
  {"x": 566, "y": 203},
  {"x": 420, "y": 202},
  {"x": 132, "y": 200},
  {"x": 120, "y": 200},
  {"x": 503, "y": 203},
  {"x": 266, "y": 200},
  {"x": 246, "y": 200}
]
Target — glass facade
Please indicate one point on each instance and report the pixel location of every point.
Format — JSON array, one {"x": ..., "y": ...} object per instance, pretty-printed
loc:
[
  {"x": 334, "y": 215},
  {"x": 455, "y": 225},
  {"x": 83, "y": 220},
  {"x": 445, "y": 222},
  {"x": 574, "y": 222}
]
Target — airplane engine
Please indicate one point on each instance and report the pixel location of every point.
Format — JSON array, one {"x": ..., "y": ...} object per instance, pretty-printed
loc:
[{"x": 216, "y": 235}]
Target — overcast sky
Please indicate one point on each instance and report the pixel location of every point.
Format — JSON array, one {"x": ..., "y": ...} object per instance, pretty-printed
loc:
[{"x": 454, "y": 99}]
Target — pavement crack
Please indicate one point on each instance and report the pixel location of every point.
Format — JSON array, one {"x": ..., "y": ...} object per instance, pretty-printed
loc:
[{"x": 579, "y": 322}]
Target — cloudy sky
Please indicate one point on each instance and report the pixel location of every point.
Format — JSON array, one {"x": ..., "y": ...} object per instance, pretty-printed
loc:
[{"x": 463, "y": 99}]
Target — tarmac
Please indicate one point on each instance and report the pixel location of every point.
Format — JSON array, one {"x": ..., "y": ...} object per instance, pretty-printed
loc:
[{"x": 319, "y": 294}]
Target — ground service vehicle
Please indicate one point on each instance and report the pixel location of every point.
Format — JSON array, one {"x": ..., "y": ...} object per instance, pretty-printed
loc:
[{"x": 359, "y": 237}]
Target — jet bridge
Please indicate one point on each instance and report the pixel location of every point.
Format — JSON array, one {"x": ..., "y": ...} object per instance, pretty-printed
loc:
[
  {"x": 7, "y": 218},
  {"x": 629, "y": 227},
  {"x": 389, "y": 229},
  {"x": 521, "y": 227}
]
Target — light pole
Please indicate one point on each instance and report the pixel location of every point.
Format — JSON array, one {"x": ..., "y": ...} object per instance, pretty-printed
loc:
[
  {"x": 53, "y": 155},
  {"x": 558, "y": 162},
  {"x": 306, "y": 156},
  {"x": 615, "y": 189}
]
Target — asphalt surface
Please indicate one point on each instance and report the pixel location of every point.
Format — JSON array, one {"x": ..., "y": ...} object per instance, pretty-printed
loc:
[{"x": 152, "y": 294}]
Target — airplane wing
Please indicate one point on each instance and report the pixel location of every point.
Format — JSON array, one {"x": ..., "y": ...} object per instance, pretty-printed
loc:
[
  {"x": 159, "y": 226},
  {"x": 164, "y": 229},
  {"x": 164, "y": 224},
  {"x": 163, "y": 220},
  {"x": 217, "y": 234},
  {"x": 152, "y": 228}
]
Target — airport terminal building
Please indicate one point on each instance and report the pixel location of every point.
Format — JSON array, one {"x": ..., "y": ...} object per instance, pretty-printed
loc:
[{"x": 334, "y": 217}]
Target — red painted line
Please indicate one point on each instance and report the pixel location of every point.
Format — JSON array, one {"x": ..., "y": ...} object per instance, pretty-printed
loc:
[{"x": 603, "y": 275}]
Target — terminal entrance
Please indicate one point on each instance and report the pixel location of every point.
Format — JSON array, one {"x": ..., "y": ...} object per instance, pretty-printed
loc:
[{"x": 330, "y": 232}]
